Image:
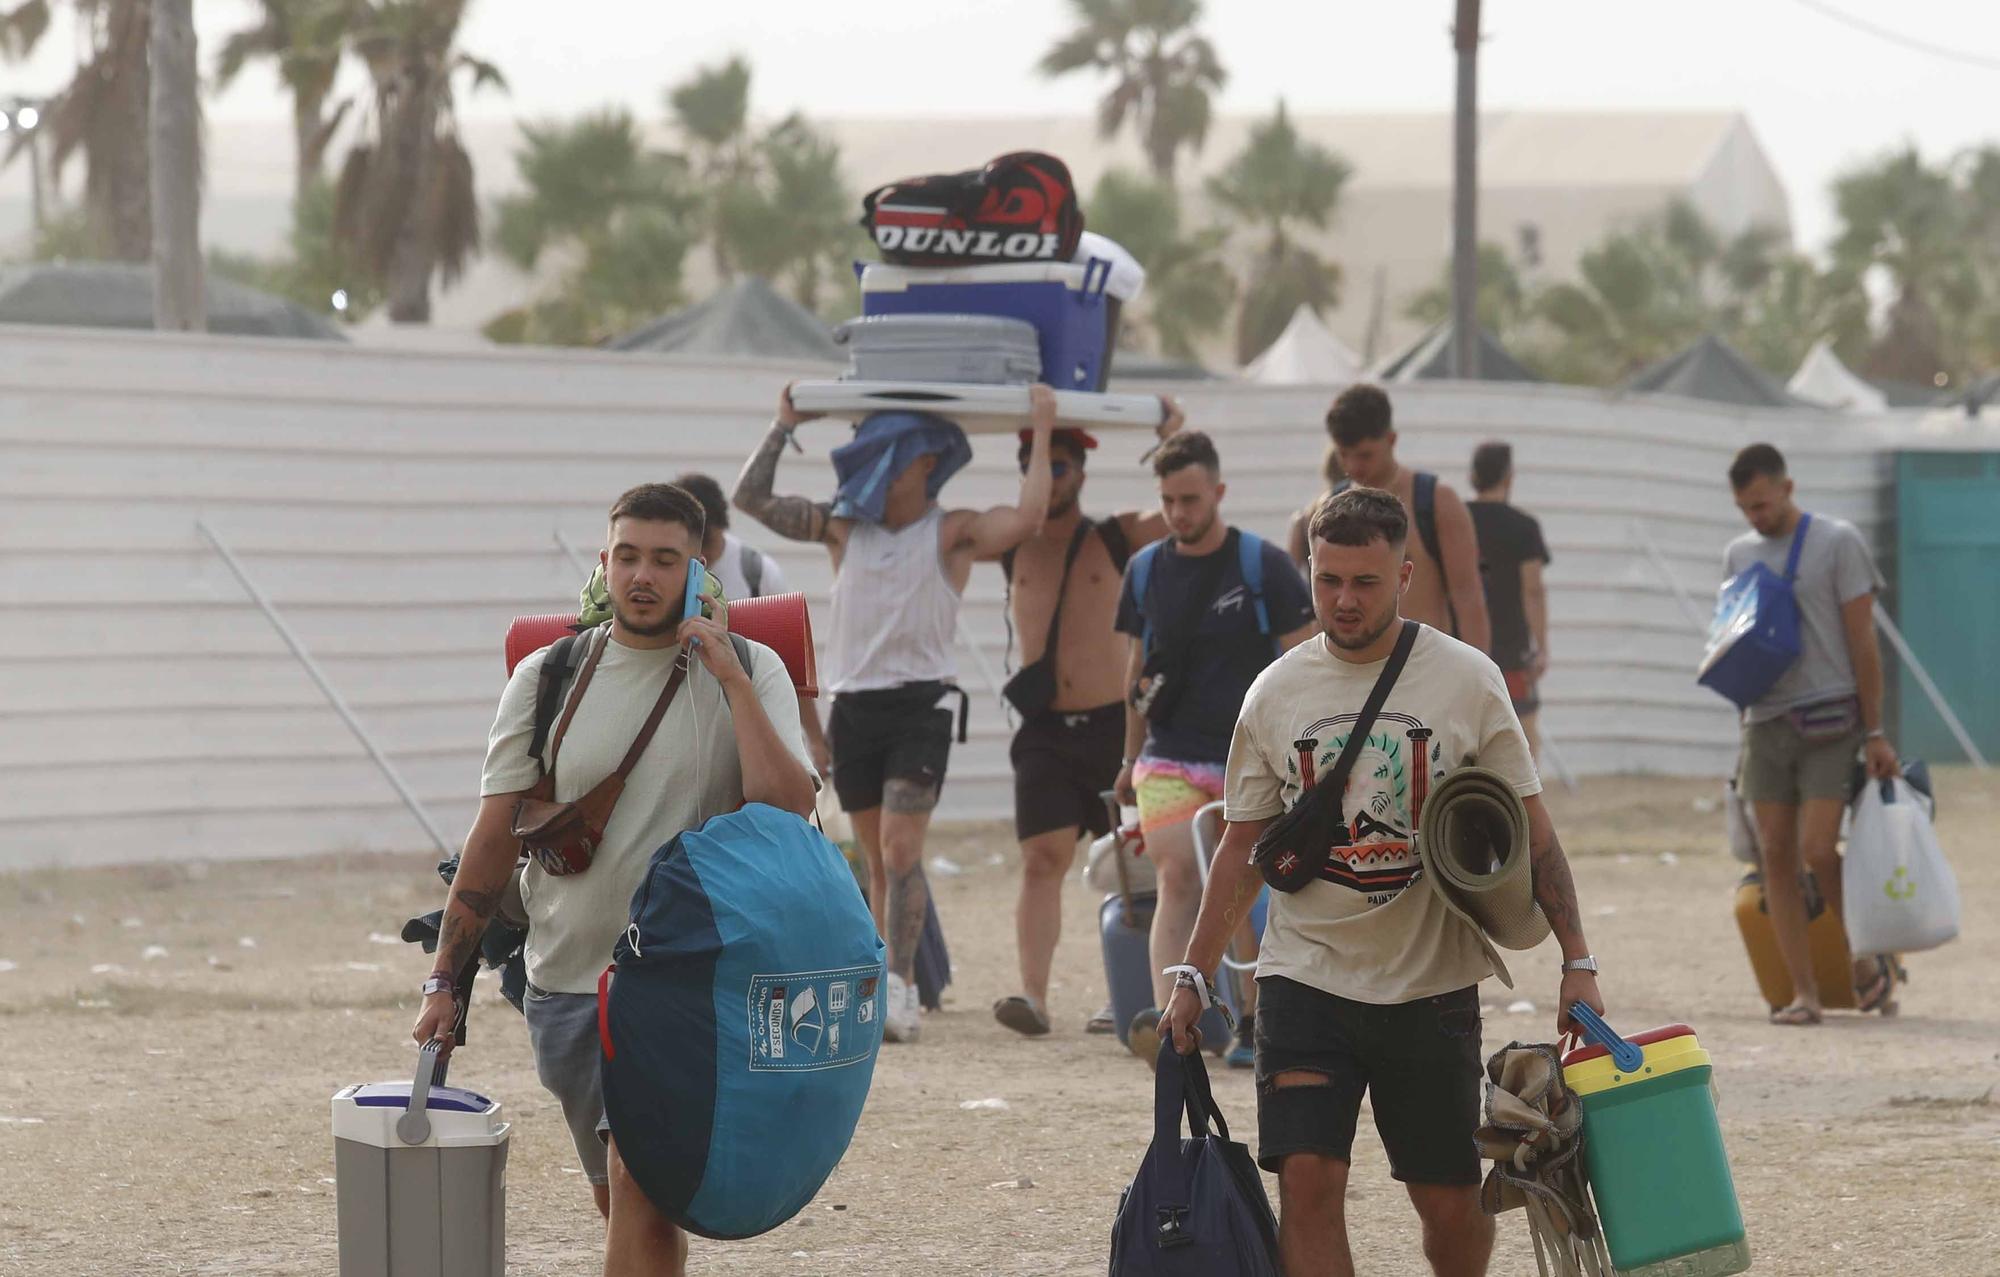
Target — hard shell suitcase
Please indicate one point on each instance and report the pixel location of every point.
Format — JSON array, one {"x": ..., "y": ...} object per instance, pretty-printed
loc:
[
  {"x": 1066, "y": 304},
  {"x": 1825, "y": 937},
  {"x": 1124, "y": 931},
  {"x": 978, "y": 349}
]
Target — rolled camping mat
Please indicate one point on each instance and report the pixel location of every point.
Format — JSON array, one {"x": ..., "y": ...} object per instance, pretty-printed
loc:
[{"x": 1473, "y": 839}]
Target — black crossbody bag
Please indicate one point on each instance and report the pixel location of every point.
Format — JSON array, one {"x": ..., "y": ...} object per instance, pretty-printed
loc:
[
  {"x": 1298, "y": 844},
  {"x": 1033, "y": 688}
]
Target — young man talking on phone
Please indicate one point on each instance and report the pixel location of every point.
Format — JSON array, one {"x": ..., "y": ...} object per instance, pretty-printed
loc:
[{"x": 1368, "y": 982}]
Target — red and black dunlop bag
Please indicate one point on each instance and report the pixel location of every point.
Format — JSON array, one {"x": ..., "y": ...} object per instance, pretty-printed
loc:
[{"x": 1022, "y": 207}]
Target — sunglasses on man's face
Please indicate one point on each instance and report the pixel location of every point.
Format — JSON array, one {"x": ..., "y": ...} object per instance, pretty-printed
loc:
[{"x": 1057, "y": 469}]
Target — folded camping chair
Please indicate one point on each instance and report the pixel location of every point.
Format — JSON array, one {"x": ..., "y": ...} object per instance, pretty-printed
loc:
[{"x": 1533, "y": 1134}]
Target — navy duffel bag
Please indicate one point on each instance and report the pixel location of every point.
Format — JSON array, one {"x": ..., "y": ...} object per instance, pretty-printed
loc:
[
  {"x": 742, "y": 1023},
  {"x": 1197, "y": 1207}
]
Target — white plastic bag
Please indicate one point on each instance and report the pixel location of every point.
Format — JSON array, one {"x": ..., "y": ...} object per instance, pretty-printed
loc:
[
  {"x": 1100, "y": 866},
  {"x": 1900, "y": 894}
]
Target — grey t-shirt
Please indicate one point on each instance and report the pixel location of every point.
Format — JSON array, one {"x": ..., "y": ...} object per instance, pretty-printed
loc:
[{"x": 1834, "y": 568}]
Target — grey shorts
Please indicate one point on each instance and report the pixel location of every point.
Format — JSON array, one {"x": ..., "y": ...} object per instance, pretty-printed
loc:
[
  {"x": 562, "y": 1030},
  {"x": 1781, "y": 766}
]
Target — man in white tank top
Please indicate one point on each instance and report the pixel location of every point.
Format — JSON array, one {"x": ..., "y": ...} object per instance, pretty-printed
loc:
[{"x": 896, "y": 592}]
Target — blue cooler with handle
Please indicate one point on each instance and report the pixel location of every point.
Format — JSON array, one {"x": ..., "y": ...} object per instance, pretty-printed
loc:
[
  {"x": 1065, "y": 303},
  {"x": 1754, "y": 637}
]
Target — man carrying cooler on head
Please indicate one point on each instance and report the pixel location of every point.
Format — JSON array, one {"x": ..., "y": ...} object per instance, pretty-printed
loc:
[
  {"x": 1067, "y": 752},
  {"x": 900, "y": 564},
  {"x": 1201, "y": 629},
  {"x": 1444, "y": 592},
  {"x": 729, "y": 736},
  {"x": 1800, "y": 739},
  {"x": 1369, "y": 981}
]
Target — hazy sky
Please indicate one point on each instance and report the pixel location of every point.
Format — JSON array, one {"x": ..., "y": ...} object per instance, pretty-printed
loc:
[{"x": 1818, "y": 94}]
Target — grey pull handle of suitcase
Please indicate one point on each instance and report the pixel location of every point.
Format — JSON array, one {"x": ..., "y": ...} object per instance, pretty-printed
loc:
[
  {"x": 1110, "y": 798},
  {"x": 414, "y": 1126}
]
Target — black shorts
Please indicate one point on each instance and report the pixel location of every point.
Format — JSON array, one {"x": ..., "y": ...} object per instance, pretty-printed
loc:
[
  {"x": 1418, "y": 1063},
  {"x": 1063, "y": 763},
  {"x": 898, "y": 733}
]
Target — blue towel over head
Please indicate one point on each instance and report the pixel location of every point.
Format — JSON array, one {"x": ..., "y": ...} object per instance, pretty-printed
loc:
[{"x": 885, "y": 444}]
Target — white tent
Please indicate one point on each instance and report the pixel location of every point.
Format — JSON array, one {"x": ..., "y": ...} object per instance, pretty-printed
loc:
[
  {"x": 1306, "y": 353},
  {"x": 1823, "y": 379}
]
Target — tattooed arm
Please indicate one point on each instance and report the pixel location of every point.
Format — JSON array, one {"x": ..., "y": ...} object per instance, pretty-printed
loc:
[
  {"x": 793, "y": 517},
  {"x": 1555, "y": 892},
  {"x": 483, "y": 869}
]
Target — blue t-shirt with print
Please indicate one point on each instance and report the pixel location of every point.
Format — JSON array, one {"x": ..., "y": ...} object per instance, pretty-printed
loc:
[{"x": 1228, "y": 651}]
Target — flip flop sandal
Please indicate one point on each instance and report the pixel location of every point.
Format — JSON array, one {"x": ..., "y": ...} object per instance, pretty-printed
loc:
[
  {"x": 1101, "y": 1023},
  {"x": 1796, "y": 1015},
  {"x": 1880, "y": 995},
  {"x": 1022, "y": 1016}
]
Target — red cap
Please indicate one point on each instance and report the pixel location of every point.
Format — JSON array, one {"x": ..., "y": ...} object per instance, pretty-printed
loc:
[{"x": 1065, "y": 434}]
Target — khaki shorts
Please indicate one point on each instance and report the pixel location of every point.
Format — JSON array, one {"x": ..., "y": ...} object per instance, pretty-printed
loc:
[{"x": 1781, "y": 766}]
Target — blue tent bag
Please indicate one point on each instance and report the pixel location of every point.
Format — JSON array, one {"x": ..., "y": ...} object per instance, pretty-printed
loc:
[
  {"x": 1197, "y": 1207},
  {"x": 742, "y": 1023},
  {"x": 1754, "y": 637}
]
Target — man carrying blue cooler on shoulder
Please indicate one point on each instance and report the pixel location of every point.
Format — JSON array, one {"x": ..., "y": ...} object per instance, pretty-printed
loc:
[
  {"x": 1206, "y": 609},
  {"x": 1800, "y": 738},
  {"x": 900, "y": 563}
]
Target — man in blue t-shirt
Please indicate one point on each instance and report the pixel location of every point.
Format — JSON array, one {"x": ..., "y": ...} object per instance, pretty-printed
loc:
[{"x": 1200, "y": 635}]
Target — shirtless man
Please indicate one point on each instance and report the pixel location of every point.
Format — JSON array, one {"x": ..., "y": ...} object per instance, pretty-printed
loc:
[
  {"x": 900, "y": 564},
  {"x": 1065, "y": 757},
  {"x": 1447, "y": 596}
]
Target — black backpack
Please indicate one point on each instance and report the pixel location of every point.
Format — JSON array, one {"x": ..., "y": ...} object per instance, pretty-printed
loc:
[
  {"x": 1424, "y": 496},
  {"x": 1022, "y": 207}
]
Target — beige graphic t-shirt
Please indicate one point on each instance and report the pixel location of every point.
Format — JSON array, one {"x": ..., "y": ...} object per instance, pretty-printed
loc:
[{"x": 1359, "y": 931}]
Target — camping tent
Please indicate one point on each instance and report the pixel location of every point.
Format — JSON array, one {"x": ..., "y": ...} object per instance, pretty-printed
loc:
[
  {"x": 1711, "y": 369},
  {"x": 1306, "y": 353},
  {"x": 120, "y": 295},
  {"x": 748, "y": 317},
  {"x": 1429, "y": 358},
  {"x": 1823, "y": 379}
]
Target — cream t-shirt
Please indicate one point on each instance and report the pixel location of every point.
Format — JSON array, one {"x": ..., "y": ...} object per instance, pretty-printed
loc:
[
  {"x": 1368, "y": 936},
  {"x": 688, "y": 773}
]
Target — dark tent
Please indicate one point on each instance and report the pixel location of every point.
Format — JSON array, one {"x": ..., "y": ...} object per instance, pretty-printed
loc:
[
  {"x": 1430, "y": 358},
  {"x": 1711, "y": 369},
  {"x": 120, "y": 295},
  {"x": 748, "y": 317}
]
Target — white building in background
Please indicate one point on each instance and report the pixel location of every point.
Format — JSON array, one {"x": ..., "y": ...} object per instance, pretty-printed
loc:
[{"x": 1551, "y": 184}]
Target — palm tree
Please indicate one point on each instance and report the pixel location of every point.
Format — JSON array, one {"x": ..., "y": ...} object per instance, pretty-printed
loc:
[
  {"x": 1278, "y": 180},
  {"x": 1189, "y": 289},
  {"x": 793, "y": 217},
  {"x": 711, "y": 108},
  {"x": 405, "y": 202},
  {"x": 306, "y": 39},
  {"x": 1794, "y": 305},
  {"x": 1163, "y": 72},
  {"x": 1906, "y": 219},
  {"x": 621, "y": 216},
  {"x": 1502, "y": 304},
  {"x": 104, "y": 115}
]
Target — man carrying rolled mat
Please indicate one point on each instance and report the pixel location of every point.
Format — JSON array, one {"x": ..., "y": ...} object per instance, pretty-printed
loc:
[
  {"x": 1368, "y": 987},
  {"x": 1800, "y": 740}
]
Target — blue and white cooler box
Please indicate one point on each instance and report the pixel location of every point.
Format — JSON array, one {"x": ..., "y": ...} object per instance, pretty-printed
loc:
[
  {"x": 424, "y": 1197},
  {"x": 741, "y": 1022}
]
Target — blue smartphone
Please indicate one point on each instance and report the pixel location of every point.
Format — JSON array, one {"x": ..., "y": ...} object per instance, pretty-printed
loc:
[{"x": 697, "y": 584}]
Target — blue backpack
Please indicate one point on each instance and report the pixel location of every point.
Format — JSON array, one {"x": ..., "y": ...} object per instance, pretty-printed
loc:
[
  {"x": 1754, "y": 637},
  {"x": 741, "y": 1028},
  {"x": 1197, "y": 1207},
  {"x": 1249, "y": 560}
]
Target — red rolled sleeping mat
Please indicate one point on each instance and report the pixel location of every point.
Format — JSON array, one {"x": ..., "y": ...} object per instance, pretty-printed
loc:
[{"x": 778, "y": 621}]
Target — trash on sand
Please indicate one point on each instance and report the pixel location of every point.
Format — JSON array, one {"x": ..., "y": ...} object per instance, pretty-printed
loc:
[
  {"x": 1707, "y": 806},
  {"x": 153, "y": 952},
  {"x": 6, "y": 966},
  {"x": 992, "y": 1103},
  {"x": 130, "y": 924},
  {"x": 946, "y": 867},
  {"x": 377, "y": 937},
  {"x": 1023, "y": 1182},
  {"x": 246, "y": 942},
  {"x": 1605, "y": 911},
  {"x": 364, "y": 966},
  {"x": 106, "y": 968},
  {"x": 1520, "y": 1006},
  {"x": 20, "y": 1121},
  {"x": 1669, "y": 858}
]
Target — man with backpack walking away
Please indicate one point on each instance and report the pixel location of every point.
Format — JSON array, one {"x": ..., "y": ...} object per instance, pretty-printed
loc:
[
  {"x": 703, "y": 723},
  {"x": 1801, "y": 737},
  {"x": 1062, "y": 600},
  {"x": 1445, "y": 591},
  {"x": 1206, "y": 609},
  {"x": 1369, "y": 981},
  {"x": 745, "y": 572},
  {"x": 1512, "y": 555},
  {"x": 900, "y": 563}
]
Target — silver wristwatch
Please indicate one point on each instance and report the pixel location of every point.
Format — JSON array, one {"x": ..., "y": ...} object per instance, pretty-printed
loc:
[{"x": 1585, "y": 963}]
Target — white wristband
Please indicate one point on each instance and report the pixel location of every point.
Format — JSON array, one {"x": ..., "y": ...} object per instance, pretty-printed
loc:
[{"x": 1199, "y": 982}]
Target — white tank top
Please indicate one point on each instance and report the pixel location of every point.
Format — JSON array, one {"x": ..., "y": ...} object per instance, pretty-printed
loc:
[{"x": 893, "y": 609}]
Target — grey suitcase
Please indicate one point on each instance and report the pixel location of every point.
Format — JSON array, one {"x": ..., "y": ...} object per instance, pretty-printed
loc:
[{"x": 977, "y": 349}]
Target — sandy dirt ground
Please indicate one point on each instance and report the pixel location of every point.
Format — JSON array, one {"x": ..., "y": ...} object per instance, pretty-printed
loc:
[{"x": 169, "y": 1037}]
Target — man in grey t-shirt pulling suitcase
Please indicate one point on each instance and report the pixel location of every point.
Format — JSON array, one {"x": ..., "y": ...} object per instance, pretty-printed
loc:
[{"x": 1800, "y": 739}]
